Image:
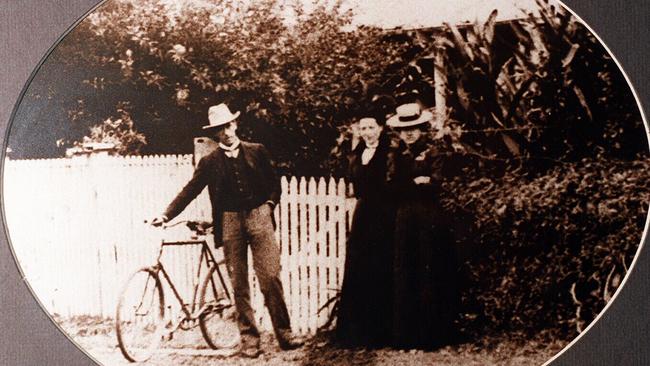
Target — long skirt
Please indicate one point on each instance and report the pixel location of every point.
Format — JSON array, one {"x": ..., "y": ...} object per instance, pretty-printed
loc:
[
  {"x": 365, "y": 307},
  {"x": 425, "y": 278}
]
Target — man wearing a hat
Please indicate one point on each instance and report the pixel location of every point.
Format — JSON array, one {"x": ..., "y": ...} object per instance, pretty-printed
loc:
[{"x": 243, "y": 191}]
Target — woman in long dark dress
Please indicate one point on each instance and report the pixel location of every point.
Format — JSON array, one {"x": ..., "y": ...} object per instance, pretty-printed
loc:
[
  {"x": 424, "y": 261},
  {"x": 365, "y": 307}
]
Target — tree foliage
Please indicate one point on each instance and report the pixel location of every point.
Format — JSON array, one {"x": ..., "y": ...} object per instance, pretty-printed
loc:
[
  {"x": 294, "y": 83},
  {"x": 539, "y": 89},
  {"x": 118, "y": 131}
]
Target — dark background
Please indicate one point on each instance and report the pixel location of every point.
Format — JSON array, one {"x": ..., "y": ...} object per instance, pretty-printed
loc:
[{"x": 29, "y": 27}]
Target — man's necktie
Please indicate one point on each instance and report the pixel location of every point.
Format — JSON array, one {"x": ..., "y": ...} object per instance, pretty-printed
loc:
[
  {"x": 232, "y": 154},
  {"x": 231, "y": 151}
]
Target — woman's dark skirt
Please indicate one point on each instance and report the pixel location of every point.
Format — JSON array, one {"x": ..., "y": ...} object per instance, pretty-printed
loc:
[
  {"x": 365, "y": 307},
  {"x": 425, "y": 278}
]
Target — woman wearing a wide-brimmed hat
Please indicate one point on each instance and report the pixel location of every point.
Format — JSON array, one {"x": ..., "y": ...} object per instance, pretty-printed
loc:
[{"x": 424, "y": 261}]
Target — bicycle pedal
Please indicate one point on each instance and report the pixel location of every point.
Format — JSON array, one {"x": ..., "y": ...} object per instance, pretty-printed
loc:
[
  {"x": 223, "y": 303},
  {"x": 168, "y": 336},
  {"x": 188, "y": 324}
]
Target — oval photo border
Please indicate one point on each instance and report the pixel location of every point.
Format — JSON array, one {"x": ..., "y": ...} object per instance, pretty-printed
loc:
[{"x": 599, "y": 317}]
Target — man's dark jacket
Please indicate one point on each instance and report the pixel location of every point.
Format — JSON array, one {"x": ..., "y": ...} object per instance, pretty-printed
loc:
[{"x": 210, "y": 172}]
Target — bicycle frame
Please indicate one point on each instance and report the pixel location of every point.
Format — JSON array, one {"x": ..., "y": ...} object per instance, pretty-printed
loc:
[
  {"x": 210, "y": 307},
  {"x": 189, "y": 309}
]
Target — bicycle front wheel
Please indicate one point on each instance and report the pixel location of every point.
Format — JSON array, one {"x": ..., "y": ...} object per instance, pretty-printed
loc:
[
  {"x": 139, "y": 321},
  {"x": 218, "y": 319}
]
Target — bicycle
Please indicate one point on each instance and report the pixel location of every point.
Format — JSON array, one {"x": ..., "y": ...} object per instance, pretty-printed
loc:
[{"x": 140, "y": 317}]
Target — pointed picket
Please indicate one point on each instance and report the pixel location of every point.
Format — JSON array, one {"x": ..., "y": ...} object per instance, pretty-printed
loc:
[
  {"x": 294, "y": 249},
  {"x": 303, "y": 279},
  {"x": 312, "y": 248},
  {"x": 282, "y": 230},
  {"x": 322, "y": 264}
]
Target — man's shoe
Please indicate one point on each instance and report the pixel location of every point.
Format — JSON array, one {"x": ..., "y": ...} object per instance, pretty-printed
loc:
[
  {"x": 250, "y": 351},
  {"x": 250, "y": 347},
  {"x": 289, "y": 342}
]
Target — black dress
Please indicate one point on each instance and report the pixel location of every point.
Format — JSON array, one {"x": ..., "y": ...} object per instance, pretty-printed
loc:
[
  {"x": 424, "y": 263},
  {"x": 365, "y": 307}
]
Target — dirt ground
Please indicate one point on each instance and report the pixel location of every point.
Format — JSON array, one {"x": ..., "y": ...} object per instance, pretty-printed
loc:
[{"x": 98, "y": 338}]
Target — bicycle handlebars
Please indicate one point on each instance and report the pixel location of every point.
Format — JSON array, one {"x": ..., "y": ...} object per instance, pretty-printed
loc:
[{"x": 199, "y": 227}]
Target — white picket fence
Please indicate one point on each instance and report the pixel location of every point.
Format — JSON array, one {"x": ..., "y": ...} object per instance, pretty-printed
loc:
[{"x": 76, "y": 227}]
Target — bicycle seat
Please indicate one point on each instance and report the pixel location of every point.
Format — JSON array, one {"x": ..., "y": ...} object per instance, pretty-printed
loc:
[{"x": 199, "y": 227}]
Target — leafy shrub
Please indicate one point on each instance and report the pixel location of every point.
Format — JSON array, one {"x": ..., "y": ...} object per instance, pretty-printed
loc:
[{"x": 549, "y": 251}]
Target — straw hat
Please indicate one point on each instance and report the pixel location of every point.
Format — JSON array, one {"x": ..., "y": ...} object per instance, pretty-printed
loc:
[{"x": 409, "y": 115}]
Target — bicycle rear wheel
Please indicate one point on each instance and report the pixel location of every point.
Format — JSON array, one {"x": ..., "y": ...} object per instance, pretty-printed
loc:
[
  {"x": 218, "y": 320},
  {"x": 139, "y": 321}
]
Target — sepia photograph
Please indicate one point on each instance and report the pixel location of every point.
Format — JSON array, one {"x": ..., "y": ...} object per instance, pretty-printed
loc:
[{"x": 342, "y": 182}]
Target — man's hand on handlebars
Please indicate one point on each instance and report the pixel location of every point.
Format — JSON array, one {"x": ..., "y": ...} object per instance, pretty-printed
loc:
[{"x": 158, "y": 221}]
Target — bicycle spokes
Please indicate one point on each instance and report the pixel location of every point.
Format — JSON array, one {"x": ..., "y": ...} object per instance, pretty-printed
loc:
[
  {"x": 218, "y": 315},
  {"x": 139, "y": 318},
  {"x": 147, "y": 300}
]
